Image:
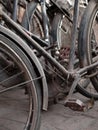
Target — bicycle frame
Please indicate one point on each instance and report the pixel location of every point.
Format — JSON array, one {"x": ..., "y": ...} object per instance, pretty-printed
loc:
[{"x": 75, "y": 75}]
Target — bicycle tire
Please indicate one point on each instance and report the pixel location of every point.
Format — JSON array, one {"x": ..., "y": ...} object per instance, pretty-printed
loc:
[
  {"x": 20, "y": 97},
  {"x": 57, "y": 24},
  {"x": 86, "y": 34}
]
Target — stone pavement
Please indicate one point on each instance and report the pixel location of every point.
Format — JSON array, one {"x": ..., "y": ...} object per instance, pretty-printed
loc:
[{"x": 59, "y": 117}]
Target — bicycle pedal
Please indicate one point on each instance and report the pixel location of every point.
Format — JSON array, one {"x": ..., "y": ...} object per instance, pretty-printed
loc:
[{"x": 76, "y": 105}]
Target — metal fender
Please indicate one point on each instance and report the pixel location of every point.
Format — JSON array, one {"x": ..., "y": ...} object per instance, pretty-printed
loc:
[{"x": 36, "y": 63}]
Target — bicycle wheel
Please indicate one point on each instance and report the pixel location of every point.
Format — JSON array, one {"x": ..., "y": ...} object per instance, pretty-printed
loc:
[
  {"x": 20, "y": 99},
  {"x": 61, "y": 32},
  {"x": 88, "y": 46},
  {"x": 32, "y": 20}
]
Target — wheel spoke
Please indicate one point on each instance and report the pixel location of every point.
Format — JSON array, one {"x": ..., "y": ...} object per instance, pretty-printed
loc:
[{"x": 12, "y": 78}]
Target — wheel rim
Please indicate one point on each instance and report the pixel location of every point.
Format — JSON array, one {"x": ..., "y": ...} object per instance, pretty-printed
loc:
[
  {"x": 92, "y": 48},
  {"x": 17, "y": 105}
]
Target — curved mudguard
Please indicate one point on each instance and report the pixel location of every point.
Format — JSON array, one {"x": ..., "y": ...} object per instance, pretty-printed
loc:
[{"x": 30, "y": 53}]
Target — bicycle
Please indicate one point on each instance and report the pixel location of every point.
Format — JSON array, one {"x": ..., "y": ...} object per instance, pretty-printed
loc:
[
  {"x": 70, "y": 75},
  {"x": 60, "y": 31},
  {"x": 56, "y": 25}
]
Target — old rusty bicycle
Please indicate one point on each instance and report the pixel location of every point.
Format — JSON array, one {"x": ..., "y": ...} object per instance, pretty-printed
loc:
[{"x": 21, "y": 71}]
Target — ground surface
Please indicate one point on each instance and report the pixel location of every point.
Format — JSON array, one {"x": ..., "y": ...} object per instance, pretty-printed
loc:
[{"x": 59, "y": 117}]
